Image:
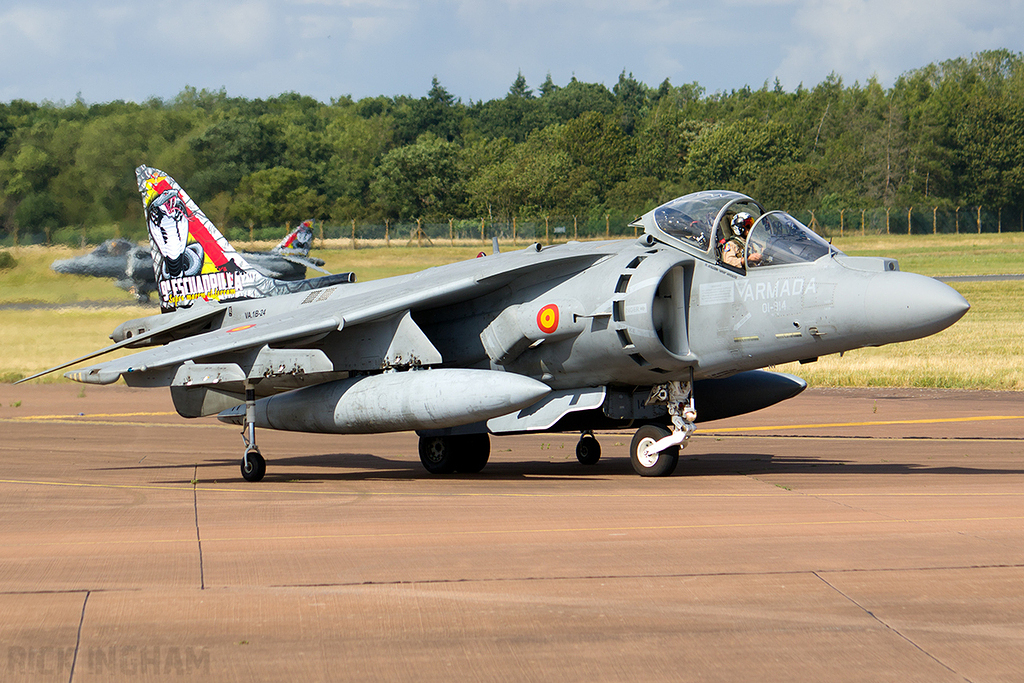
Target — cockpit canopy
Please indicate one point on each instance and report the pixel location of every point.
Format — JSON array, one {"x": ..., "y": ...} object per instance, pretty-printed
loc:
[{"x": 701, "y": 223}]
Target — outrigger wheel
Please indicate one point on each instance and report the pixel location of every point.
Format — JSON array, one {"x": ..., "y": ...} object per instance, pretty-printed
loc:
[
  {"x": 588, "y": 450},
  {"x": 254, "y": 466}
]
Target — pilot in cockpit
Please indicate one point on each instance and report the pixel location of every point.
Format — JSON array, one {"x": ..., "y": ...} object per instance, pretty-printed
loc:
[{"x": 734, "y": 246}]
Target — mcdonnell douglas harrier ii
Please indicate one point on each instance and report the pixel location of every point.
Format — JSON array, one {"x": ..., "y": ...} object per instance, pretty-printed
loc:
[
  {"x": 131, "y": 266},
  {"x": 650, "y": 334}
]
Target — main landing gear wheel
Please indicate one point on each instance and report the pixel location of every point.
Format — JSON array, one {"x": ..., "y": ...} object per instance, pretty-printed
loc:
[
  {"x": 254, "y": 466},
  {"x": 656, "y": 465},
  {"x": 588, "y": 450},
  {"x": 466, "y": 453}
]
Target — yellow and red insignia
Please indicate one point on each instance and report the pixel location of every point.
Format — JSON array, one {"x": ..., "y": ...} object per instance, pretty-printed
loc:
[
  {"x": 239, "y": 329},
  {"x": 547, "y": 319}
]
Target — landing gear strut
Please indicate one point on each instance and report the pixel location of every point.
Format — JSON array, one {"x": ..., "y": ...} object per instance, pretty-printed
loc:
[
  {"x": 654, "y": 450},
  {"x": 254, "y": 466}
]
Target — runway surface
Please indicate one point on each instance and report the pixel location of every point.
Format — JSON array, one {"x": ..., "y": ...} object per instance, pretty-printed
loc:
[{"x": 844, "y": 535}]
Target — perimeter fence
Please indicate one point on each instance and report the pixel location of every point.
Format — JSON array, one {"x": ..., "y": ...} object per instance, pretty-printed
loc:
[{"x": 551, "y": 229}]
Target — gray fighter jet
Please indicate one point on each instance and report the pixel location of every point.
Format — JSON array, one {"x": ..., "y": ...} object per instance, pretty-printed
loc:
[
  {"x": 131, "y": 265},
  {"x": 649, "y": 334},
  {"x": 116, "y": 259}
]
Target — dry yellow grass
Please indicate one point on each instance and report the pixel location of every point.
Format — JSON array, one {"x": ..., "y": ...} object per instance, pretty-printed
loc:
[{"x": 37, "y": 339}]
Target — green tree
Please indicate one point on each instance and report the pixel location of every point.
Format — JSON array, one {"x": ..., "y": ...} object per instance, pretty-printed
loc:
[
  {"x": 736, "y": 155},
  {"x": 274, "y": 196},
  {"x": 420, "y": 181}
]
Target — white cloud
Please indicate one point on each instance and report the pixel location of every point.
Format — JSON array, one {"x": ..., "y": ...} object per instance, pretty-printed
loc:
[
  {"x": 325, "y": 48},
  {"x": 861, "y": 38}
]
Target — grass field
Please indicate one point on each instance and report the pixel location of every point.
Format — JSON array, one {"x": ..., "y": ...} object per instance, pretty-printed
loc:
[{"x": 985, "y": 350}]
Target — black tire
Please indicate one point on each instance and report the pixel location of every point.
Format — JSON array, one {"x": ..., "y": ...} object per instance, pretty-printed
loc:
[
  {"x": 660, "y": 465},
  {"x": 588, "y": 450},
  {"x": 472, "y": 452},
  {"x": 466, "y": 453},
  {"x": 437, "y": 454},
  {"x": 257, "y": 466}
]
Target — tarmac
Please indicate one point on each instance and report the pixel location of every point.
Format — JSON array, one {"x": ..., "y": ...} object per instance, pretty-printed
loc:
[{"x": 844, "y": 535}]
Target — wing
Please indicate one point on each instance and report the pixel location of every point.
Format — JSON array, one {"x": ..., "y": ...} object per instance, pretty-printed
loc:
[{"x": 382, "y": 306}]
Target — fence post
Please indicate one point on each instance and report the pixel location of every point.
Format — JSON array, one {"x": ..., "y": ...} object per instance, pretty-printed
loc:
[
  {"x": 387, "y": 232},
  {"x": 547, "y": 230},
  {"x": 419, "y": 232},
  {"x": 482, "y": 231},
  {"x": 353, "y": 234},
  {"x": 514, "y": 242},
  {"x": 607, "y": 227},
  {"x": 575, "y": 232},
  {"x": 451, "y": 231},
  {"x": 887, "y": 221},
  {"x": 841, "y": 222},
  {"x": 908, "y": 219},
  {"x": 862, "y": 211},
  {"x": 935, "y": 220},
  {"x": 957, "y": 214},
  {"x": 999, "y": 223},
  {"x": 979, "y": 220}
]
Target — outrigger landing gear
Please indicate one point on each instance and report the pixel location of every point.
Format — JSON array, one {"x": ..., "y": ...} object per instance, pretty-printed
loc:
[
  {"x": 254, "y": 466},
  {"x": 588, "y": 450},
  {"x": 654, "y": 450}
]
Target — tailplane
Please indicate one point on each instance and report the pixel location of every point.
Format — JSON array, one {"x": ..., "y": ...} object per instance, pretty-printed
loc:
[{"x": 192, "y": 260}]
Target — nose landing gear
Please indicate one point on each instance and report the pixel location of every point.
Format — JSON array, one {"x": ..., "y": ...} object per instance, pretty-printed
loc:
[{"x": 654, "y": 450}]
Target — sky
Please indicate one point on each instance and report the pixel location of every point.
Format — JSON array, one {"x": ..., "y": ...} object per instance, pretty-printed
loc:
[{"x": 104, "y": 50}]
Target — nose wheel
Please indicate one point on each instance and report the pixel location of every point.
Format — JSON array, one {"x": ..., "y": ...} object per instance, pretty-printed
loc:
[
  {"x": 648, "y": 462},
  {"x": 654, "y": 451}
]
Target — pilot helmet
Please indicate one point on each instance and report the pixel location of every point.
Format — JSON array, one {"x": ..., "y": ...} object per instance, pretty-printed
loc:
[{"x": 741, "y": 223}]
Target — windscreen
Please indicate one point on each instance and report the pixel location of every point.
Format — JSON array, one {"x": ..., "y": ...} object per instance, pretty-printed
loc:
[{"x": 782, "y": 239}]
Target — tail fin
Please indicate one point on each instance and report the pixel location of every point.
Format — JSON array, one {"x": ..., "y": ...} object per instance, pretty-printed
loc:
[
  {"x": 298, "y": 241},
  {"x": 192, "y": 260}
]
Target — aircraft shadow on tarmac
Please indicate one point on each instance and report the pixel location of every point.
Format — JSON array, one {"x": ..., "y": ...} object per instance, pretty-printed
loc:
[{"x": 364, "y": 466}]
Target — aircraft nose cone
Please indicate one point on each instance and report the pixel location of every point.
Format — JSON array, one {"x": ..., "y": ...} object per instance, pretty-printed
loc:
[
  {"x": 913, "y": 305},
  {"x": 62, "y": 266}
]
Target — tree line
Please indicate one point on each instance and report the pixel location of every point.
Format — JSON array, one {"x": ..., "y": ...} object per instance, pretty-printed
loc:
[{"x": 947, "y": 134}]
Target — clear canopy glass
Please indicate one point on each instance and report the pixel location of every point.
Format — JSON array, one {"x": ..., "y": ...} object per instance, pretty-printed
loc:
[
  {"x": 780, "y": 239},
  {"x": 693, "y": 218},
  {"x": 702, "y": 220}
]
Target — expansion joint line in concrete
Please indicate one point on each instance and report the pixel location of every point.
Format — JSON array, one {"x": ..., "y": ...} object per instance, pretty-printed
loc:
[
  {"x": 78, "y": 638},
  {"x": 889, "y": 628},
  {"x": 199, "y": 538}
]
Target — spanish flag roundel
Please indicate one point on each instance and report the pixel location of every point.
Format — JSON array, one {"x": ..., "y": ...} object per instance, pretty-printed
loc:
[{"x": 547, "y": 319}]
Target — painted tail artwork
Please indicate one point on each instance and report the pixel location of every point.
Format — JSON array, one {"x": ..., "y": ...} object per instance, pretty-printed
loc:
[
  {"x": 192, "y": 260},
  {"x": 298, "y": 241}
]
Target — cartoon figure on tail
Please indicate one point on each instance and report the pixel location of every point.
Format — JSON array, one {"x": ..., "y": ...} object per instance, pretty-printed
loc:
[
  {"x": 298, "y": 241},
  {"x": 192, "y": 260}
]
